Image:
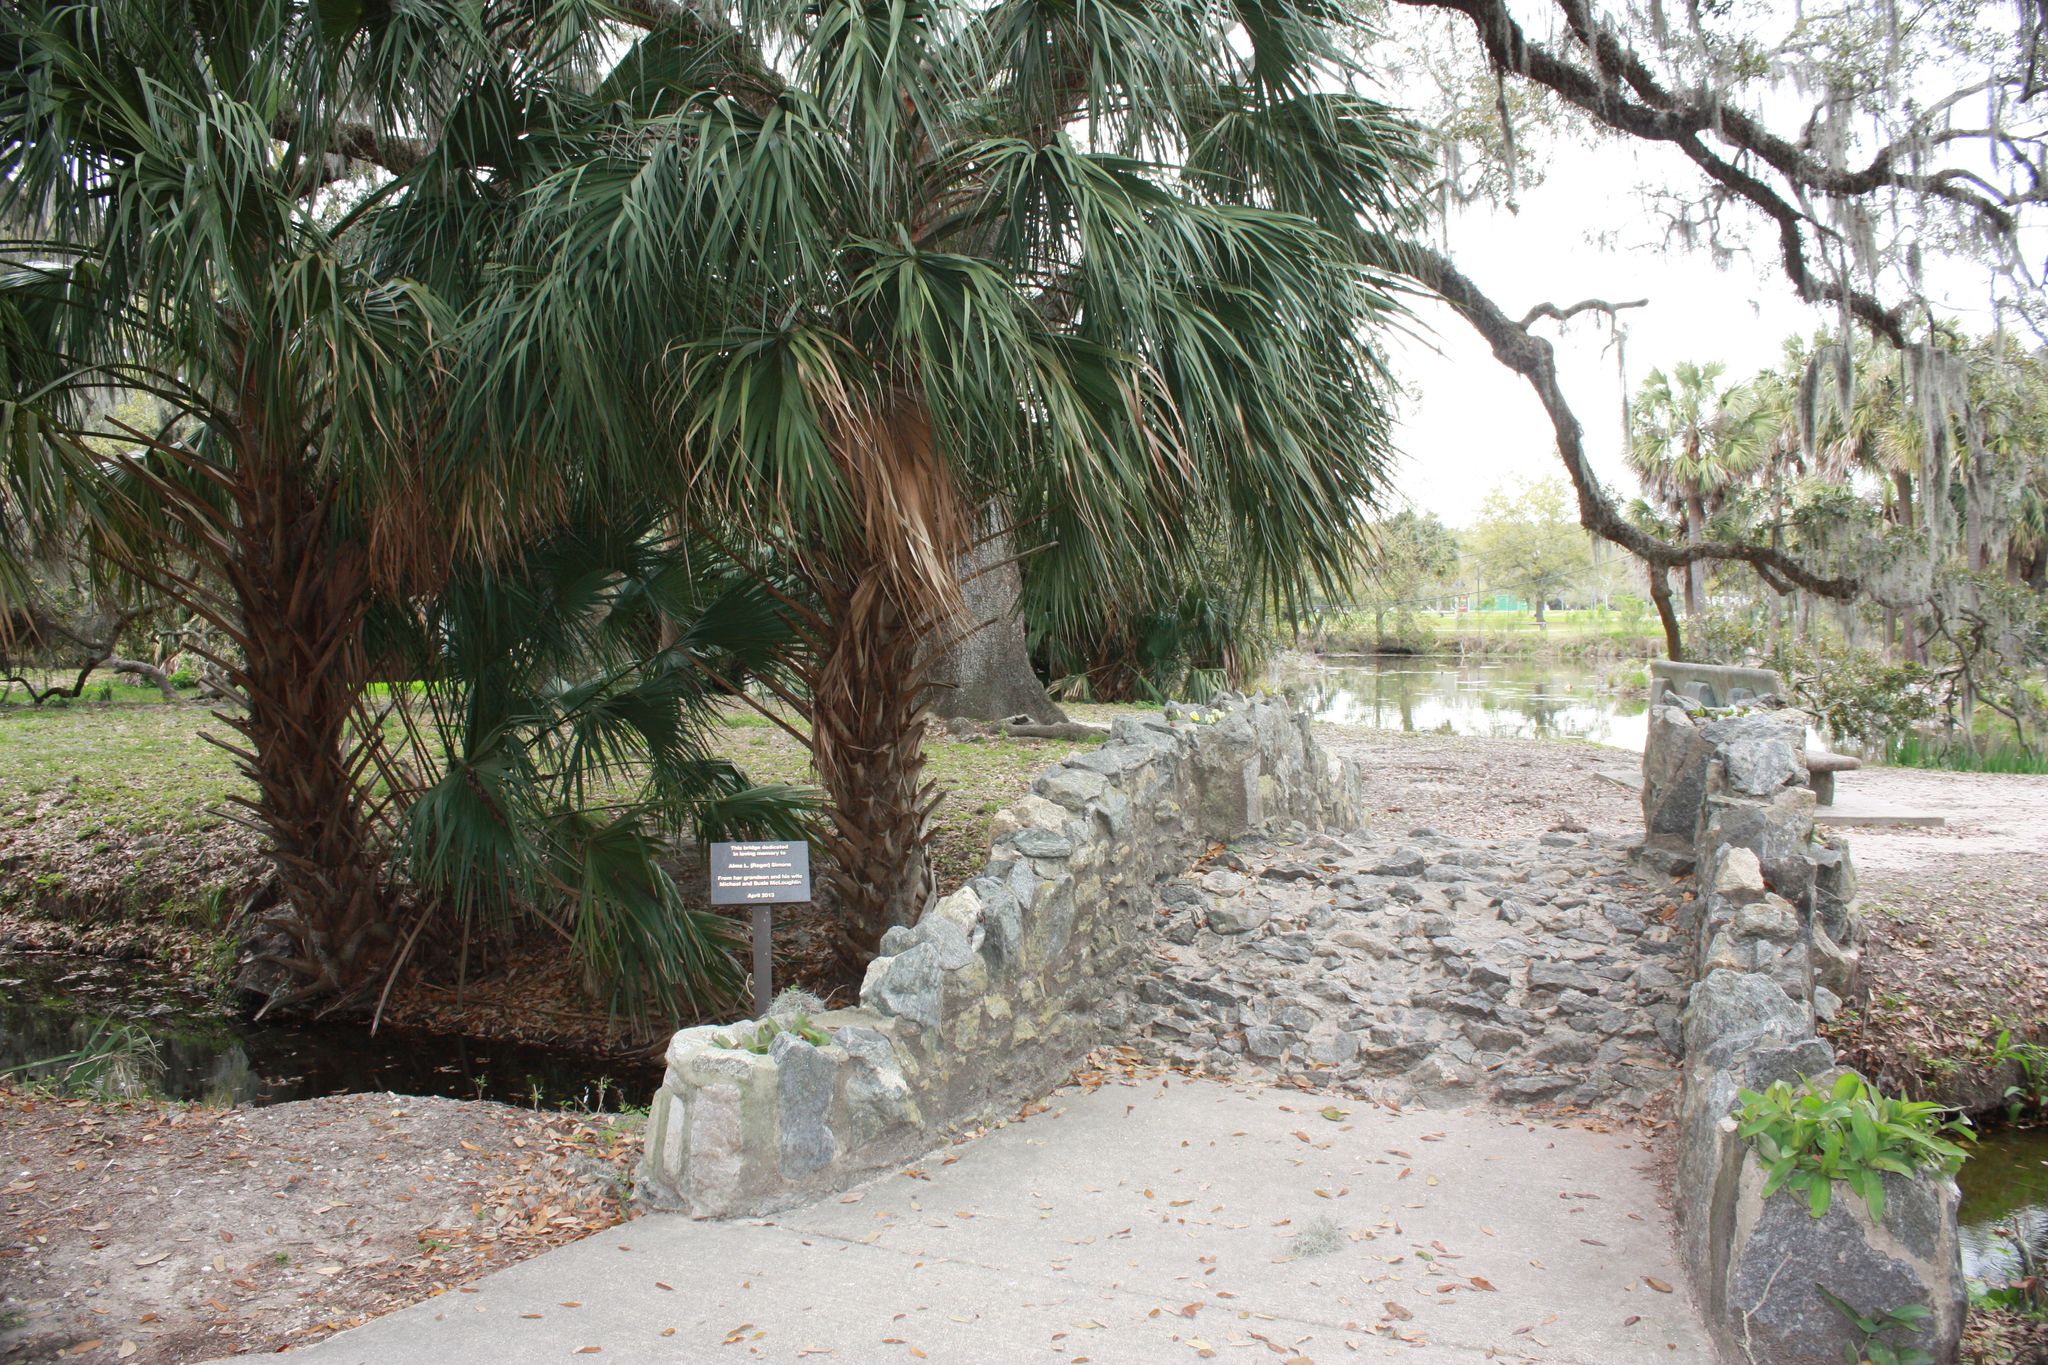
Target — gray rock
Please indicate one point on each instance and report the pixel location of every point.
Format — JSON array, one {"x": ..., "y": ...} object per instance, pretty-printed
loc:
[
  {"x": 1675, "y": 756},
  {"x": 1760, "y": 763},
  {"x": 1239, "y": 916},
  {"x": 1002, "y": 920},
  {"x": 1335, "y": 1050},
  {"x": 1290, "y": 872},
  {"x": 1540, "y": 1085},
  {"x": 1266, "y": 1042},
  {"x": 908, "y": 987},
  {"x": 1484, "y": 972},
  {"x": 1449, "y": 872},
  {"x": 1777, "y": 831},
  {"x": 1913, "y": 1259},
  {"x": 1300, "y": 1018},
  {"x": 1563, "y": 1047},
  {"x": 1730, "y": 1013},
  {"x": 1051, "y": 922},
  {"x": 1763, "y": 1067},
  {"x": 1549, "y": 975},
  {"x": 1042, "y": 843},
  {"x": 1625, "y": 920},
  {"x": 1070, "y": 786},
  {"x": 1668, "y": 853},
  {"x": 1408, "y": 862},
  {"x": 803, "y": 1100},
  {"x": 949, "y": 942},
  {"x": 1835, "y": 968},
  {"x": 1290, "y": 949}
]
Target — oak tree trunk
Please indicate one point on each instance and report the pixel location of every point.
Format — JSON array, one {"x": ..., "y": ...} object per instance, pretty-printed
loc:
[{"x": 984, "y": 672}]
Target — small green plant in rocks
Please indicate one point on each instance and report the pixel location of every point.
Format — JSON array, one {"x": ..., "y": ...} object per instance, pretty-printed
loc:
[
  {"x": 1809, "y": 1138},
  {"x": 1874, "y": 1329},
  {"x": 769, "y": 1029}
]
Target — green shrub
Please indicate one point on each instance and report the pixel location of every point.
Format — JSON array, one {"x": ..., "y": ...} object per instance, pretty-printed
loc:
[
  {"x": 1850, "y": 1132},
  {"x": 184, "y": 680}
]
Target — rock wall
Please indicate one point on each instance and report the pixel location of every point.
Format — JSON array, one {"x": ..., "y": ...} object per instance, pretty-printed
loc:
[
  {"x": 1001, "y": 987},
  {"x": 1777, "y": 940}
]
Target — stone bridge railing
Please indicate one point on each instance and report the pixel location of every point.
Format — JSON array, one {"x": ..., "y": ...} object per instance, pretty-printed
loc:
[
  {"x": 1777, "y": 944},
  {"x": 993, "y": 996}
]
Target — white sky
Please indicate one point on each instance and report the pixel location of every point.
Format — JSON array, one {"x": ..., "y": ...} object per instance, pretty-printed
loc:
[{"x": 1472, "y": 425}]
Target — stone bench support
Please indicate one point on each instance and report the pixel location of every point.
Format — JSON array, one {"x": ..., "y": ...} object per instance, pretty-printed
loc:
[{"x": 1821, "y": 770}]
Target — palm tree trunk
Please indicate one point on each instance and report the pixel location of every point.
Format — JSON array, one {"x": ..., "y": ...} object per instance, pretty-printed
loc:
[
  {"x": 869, "y": 693},
  {"x": 1695, "y": 572},
  {"x": 302, "y": 601}
]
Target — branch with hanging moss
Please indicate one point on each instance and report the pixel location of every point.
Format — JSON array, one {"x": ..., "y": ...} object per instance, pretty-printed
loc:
[
  {"x": 1599, "y": 73},
  {"x": 1532, "y": 357}
]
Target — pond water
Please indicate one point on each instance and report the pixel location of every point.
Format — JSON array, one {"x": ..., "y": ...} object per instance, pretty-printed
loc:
[
  {"x": 1515, "y": 700},
  {"x": 2005, "y": 1195},
  {"x": 155, "y": 1035}
]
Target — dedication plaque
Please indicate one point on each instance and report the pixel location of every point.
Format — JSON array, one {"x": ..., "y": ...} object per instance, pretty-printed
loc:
[{"x": 760, "y": 873}]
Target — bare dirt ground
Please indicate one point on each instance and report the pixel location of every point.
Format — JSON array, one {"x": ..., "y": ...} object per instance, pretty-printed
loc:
[
  {"x": 1488, "y": 788},
  {"x": 1958, "y": 919},
  {"x": 154, "y": 1233}
]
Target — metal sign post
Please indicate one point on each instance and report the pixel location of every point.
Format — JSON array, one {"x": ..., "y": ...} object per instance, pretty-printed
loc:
[{"x": 761, "y": 874}]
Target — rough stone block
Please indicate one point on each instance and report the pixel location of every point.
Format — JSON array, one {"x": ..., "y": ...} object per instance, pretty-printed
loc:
[
  {"x": 805, "y": 1079},
  {"x": 1780, "y": 1257},
  {"x": 1778, "y": 831},
  {"x": 1071, "y": 787},
  {"x": 1239, "y": 915},
  {"x": 1760, "y": 762},
  {"x": 907, "y": 986},
  {"x": 1729, "y": 1012}
]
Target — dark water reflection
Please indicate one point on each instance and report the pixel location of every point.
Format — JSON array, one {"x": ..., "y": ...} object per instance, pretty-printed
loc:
[
  {"x": 2005, "y": 1191},
  {"x": 164, "y": 1039}
]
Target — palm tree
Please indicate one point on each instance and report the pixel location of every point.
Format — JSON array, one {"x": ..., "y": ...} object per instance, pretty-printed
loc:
[
  {"x": 1685, "y": 447},
  {"x": 187, "y": 220},
  {"x": 165, "y": 241},
  {"x": 1107, "y": 267}
]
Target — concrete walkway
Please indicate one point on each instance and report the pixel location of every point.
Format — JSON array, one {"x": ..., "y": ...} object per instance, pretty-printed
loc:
[{"x": 1159, "y": 1220}]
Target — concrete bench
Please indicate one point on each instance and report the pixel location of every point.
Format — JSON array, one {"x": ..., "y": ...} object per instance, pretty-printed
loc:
[{"x": 1821, "y": 770}]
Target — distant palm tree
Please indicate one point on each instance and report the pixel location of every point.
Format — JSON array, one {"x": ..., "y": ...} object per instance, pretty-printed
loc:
[
  {"x": 1688, "y": 446},
  {"x": 1109, "y": 267}
]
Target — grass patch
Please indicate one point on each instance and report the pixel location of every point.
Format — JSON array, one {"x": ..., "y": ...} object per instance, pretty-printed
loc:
[
  {"x": 107, "y": 803},
  {"x": 979, "y": 776},
  {"x": 1916, "y": 751},
  {"x": 135, "y": 767}
]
